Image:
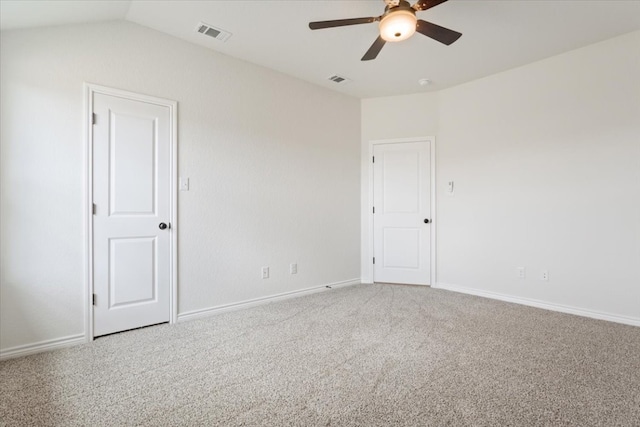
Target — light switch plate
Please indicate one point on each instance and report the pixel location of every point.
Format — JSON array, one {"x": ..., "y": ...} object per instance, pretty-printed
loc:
[{"x": 184, "y": 184}]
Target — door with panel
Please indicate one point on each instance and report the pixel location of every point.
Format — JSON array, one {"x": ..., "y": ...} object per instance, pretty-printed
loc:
[
  {"x": 131, "y": 169},
  {"x": 402, "y": 213}
]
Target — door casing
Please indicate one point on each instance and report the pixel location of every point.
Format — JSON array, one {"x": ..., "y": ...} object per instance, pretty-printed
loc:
[
  {"x": 89, "y": 91},
  {"x": 368, "y": 271}
]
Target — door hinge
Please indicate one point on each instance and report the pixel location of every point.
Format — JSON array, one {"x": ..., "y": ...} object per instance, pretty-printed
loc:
[
  {"x": 94, "y": 118},
  {"x": 374, "y": 209},
  {"x": 374, "y": 260},
  {"x": 94, "y": 208},
  {"x": 374, "y": 159},
  {"x": 94, "y": 298}
]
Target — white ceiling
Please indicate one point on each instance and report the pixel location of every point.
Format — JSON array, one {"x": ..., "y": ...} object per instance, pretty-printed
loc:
[{"x": 497, "y": 35}]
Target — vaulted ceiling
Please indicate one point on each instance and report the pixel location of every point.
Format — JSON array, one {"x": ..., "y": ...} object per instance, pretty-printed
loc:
[{"x": 497, "y": 35}]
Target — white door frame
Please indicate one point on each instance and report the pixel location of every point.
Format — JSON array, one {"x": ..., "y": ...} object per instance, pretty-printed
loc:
[
  {"x": 370, "y": 248},
  {"x": 89, "y": 91}
]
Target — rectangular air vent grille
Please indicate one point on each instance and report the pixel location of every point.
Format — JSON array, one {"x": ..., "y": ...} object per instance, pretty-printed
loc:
[
  {"x": 339, "y": 79},
  {"x": 211, "y": 31}
]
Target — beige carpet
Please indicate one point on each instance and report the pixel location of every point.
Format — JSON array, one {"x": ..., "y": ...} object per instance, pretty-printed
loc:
[{"x": 368, "y": 355}]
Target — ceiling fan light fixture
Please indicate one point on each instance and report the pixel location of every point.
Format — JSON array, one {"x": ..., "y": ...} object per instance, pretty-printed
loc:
[{"x": 398, "y": 25}]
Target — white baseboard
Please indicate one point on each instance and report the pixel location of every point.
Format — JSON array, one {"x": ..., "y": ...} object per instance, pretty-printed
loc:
[
  {"x": 48, "y": 345},
  {"x": 39, "y": 347},
  {"x": 541, "y": 304},
  {"x": 205, "y": 312}
]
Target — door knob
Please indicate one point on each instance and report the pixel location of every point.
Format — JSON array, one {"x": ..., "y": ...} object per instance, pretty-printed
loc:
[
  {"x": 426, "y": 221},
  {"x": 162, "y": 226}
]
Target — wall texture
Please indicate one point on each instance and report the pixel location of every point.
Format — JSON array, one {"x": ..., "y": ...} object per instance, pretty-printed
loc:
[
  {"x": 546, "y": 164},
  {"x": 546, "y": 160},
  {"x": 273, "y": 164}
]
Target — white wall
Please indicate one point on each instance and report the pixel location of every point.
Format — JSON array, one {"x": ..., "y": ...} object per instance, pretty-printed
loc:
[
  {"x": 273, "y": 164},
  {"x": 546, "y": 164}
]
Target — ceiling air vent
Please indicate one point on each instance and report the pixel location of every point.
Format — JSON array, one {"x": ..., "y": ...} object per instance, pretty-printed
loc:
[
  {"x": 339, "y": 79},
  {"x": 211, "y": 31}
]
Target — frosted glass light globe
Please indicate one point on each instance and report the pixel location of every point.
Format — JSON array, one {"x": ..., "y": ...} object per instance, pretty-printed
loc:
[{"x": 398, "y": 26}]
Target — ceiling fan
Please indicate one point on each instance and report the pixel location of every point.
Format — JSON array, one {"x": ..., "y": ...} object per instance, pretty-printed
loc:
[{"x": 397, "y": 23}]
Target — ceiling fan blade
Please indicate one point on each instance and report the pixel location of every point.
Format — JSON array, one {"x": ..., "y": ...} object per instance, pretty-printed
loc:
[
  {"x": 426, "y": 4},
  {"x": 436, "y": 32},
  {"x": 374, "y": 50},
  {"x": 340, "y": 23}
]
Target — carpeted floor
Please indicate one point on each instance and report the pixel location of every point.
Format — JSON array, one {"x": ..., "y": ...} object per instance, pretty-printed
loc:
[{"x": 367, "y": 355}]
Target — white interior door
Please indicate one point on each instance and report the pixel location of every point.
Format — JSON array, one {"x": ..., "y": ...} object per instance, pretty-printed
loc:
[
  {"x": 402, "y": 213},
  {"x": 132, "y": 199}
]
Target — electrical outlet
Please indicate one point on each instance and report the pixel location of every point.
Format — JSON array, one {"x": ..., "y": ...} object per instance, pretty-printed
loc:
[
  {"x": 522, "y": 272},
  {"x": 293, "y": 268},
  {"x": 544, "y": 275},
  {"x": 265, "y": 272}
]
